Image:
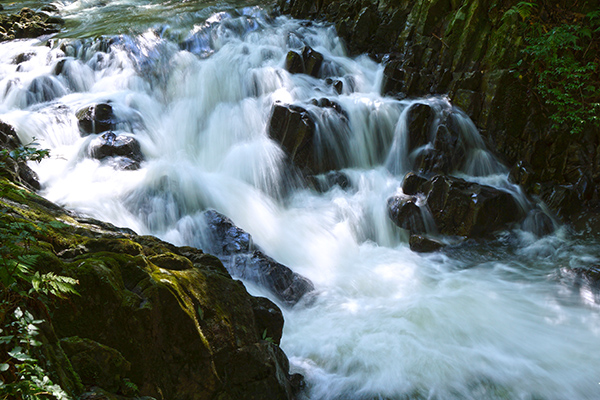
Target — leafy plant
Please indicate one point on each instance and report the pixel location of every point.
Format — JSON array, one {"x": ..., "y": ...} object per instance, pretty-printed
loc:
[
  {"x": 29, "y": 380},
  {"x": 27, "y": 152},
  {"x": 523, "y": 8},
  {"x": 561, "y": 59}
]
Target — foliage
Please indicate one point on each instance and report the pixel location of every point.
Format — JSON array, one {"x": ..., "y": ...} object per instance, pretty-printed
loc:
[
  {"x": 29, "y": 380},
  {"x": 561, "y": 59},
  {"x": 27, "y": 152},
  {"x": 22, "y": 286},
  {"x": 523, "y": 9}
]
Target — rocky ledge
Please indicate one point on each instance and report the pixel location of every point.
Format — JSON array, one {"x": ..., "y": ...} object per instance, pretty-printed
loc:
[{"x": 151, "y": 320}]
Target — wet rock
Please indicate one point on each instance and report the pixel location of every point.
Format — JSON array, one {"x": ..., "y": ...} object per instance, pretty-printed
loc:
[
  {"x": 406, "y": 214},
  {"x": 424, "y": 244},
  {"x": 294, "y": 129},
  {"x": 412, "y": 183},
  {"x": 110, "y": 145},
  {"x": 269, "y": 319},
  {"x": 284, "y": 283},
  {"x": 96, "y": 118},
  {"x": 246, "y": 261},
  {"x": 16, "y": 169},
  {"x": 43, "y": 89},
  {"x": 538, "y": 223},
  {"x": 435, "y": 141},
  {"x": 458, "y": 208},
  {"x": 307, "y": 62},
  {"x": 326, "y": 182}
]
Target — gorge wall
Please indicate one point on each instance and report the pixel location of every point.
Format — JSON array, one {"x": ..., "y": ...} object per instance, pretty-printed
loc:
[{"x": 469, "y": 50}]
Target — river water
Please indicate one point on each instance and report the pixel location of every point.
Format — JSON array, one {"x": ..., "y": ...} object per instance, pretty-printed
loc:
[{"x": 195, "y": 83}]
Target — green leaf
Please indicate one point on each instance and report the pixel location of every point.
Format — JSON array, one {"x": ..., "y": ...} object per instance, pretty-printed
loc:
[{"x": 4, "y": 367}]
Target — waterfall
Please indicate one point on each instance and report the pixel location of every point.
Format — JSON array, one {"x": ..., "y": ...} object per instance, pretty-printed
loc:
[{"x": 476, "y": 321}]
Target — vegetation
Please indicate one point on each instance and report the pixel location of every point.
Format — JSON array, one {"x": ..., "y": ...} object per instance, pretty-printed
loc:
[
  {"x": 562, "y": 61},
  {"x": 24, "y": 288}
]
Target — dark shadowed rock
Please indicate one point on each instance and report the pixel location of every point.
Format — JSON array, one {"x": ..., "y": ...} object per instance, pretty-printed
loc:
[
  {"x": 424, "y": 244},
  {"x": 458, "y": 208},
  {"x": 246, "y": 261},
  {"x": 412, "y": 183},
  {"x": 307, "y": 62},
  {"x": 96, "y": 118},
  {"x": 18, "y": 170},
  {"x": 405, "y": 213},
  {"x": 294, "y": 129},
  {"x": 284, "y": 283}
]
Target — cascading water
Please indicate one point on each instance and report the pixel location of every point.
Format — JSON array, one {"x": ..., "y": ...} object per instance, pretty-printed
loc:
[{"x": 478, "y": 321}]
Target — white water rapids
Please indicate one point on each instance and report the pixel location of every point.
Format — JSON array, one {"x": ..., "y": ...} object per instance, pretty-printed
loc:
[{"x": 478, "y": 321}]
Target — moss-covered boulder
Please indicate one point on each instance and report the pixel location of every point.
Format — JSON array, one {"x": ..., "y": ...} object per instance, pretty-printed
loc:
[{"x": 150, "y": 319}]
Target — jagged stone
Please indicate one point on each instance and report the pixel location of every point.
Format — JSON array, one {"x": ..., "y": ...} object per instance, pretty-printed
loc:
[
  {"x": 406, "y": 214},
  {"x": 307, "y": 62},
  {"x": 293, "y": 127},
  {"x": 458, "y": 208},
  {"x": 246, "y": 261},
  {"x": 125, "y": 148}
]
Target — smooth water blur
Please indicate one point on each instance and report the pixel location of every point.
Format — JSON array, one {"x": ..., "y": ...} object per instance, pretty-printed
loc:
[{"x": 195, "y": 83}]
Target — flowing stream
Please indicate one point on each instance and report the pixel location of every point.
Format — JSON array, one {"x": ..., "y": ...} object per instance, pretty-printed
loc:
[{"x": 195, "y": 83}]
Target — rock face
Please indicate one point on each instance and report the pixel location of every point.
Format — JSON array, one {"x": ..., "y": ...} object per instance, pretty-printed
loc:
[
  {"x": 245, "y": 260},
  {"x": 448, "y": 150},
  {"x": 466, "y": 49},
  {"x": 151, "y": 319},
  {"x": 457, "y": 208}
]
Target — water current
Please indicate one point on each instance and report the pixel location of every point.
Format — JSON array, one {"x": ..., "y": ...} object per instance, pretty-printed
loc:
[{"x": 195, "y": 82}]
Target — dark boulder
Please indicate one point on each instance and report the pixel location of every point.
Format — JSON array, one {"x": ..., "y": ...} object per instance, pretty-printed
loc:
[
  {"x": 288, "y": 286},
  {"x": 246, "y": 261},
  {"x": 96, "y": 118},
  {"x": 16, "y": 168},
  {"x": 326, "y": 182},
  {"x": 458, "y": 208},
  {"x": 424, "y": 244},
  {"x": 225, "y": 238},
  {"x": 307, "y": 62},
  {"x": 405, "y": 213},
  {"x": 412, "y": 183},
  {"x": 293, "y": 128},
  {"x": 125, "y": 148},
  {"x": 435, "y": 141}
]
